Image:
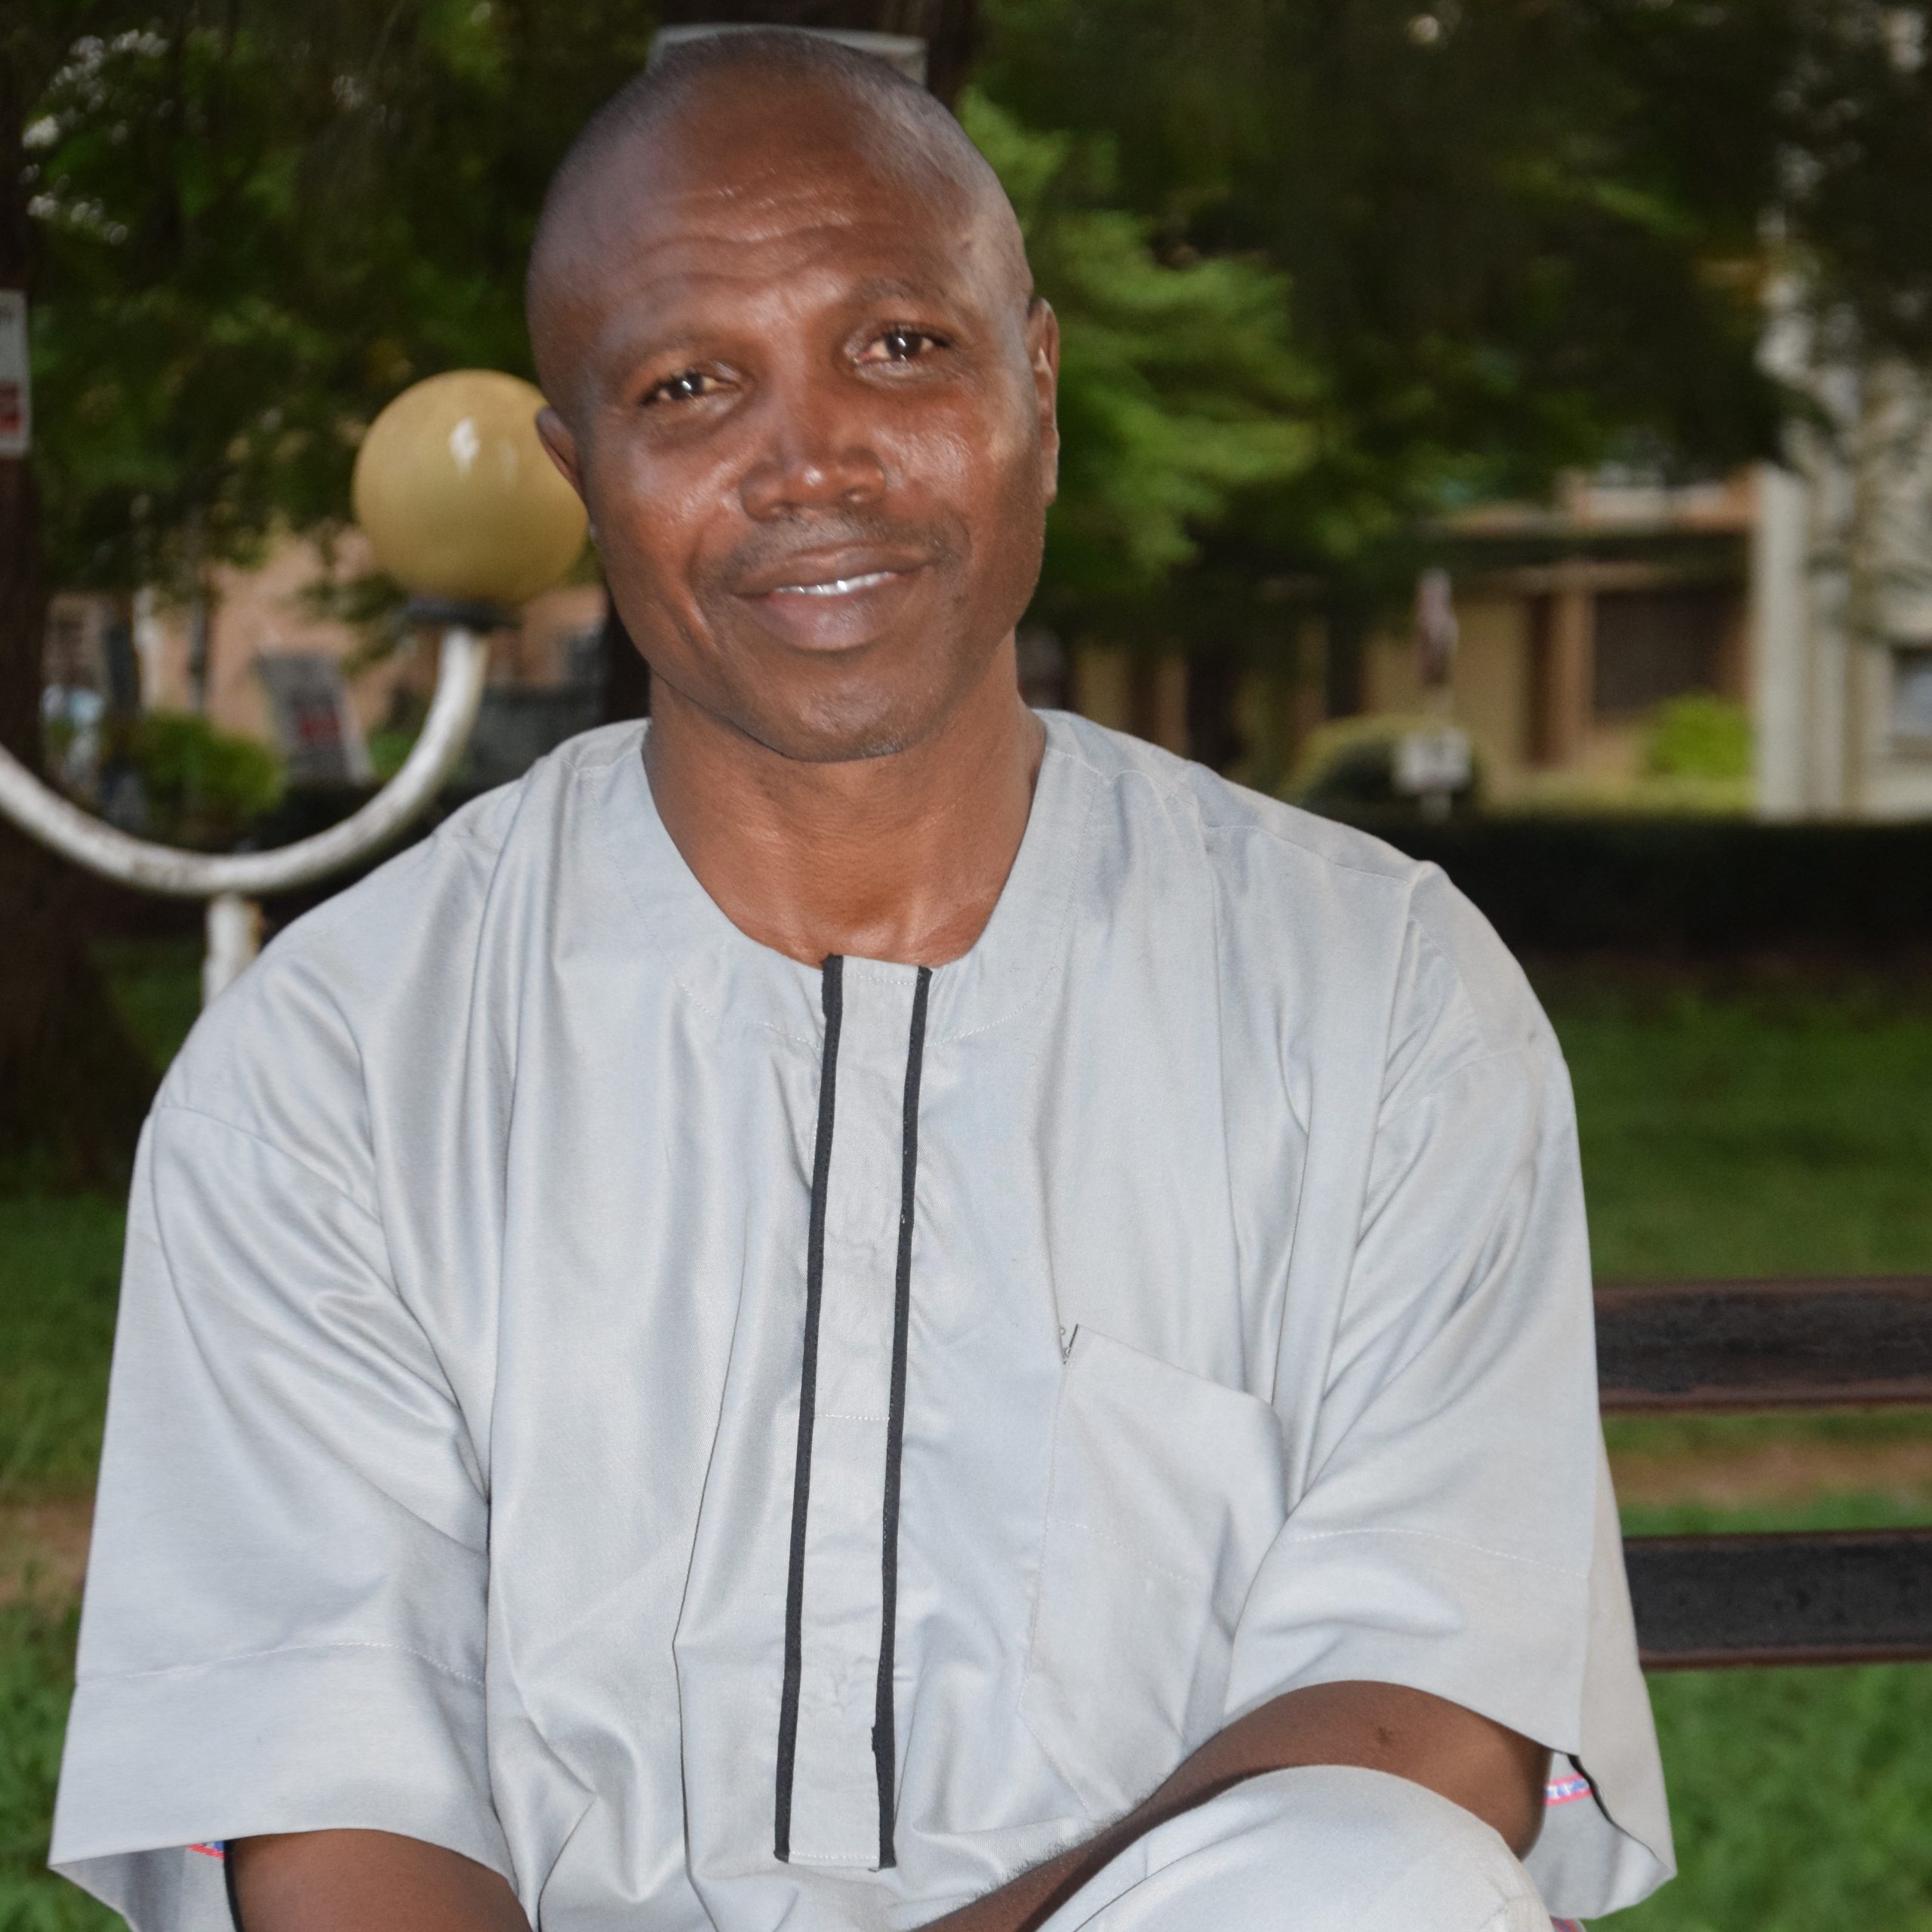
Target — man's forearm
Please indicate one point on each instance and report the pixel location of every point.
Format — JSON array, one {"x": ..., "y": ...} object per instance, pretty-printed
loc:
[
  {"x": 364, "y": 1881},
  {"x": 1486, "y": 1768},
  {"x": 349, "y": 1881}
]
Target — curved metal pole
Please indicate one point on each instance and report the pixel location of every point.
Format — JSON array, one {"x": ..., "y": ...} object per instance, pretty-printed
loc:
[{"x": 77, "y": 835}]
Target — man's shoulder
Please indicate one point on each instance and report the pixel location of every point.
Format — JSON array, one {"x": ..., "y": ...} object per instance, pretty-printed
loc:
[
  {"x": 1239, "y": 829},
  {"x": 404, "y": 937},
  {"x": 1298, "y": 894}
]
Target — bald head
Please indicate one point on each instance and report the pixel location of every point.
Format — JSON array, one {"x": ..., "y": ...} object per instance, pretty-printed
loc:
[
  {"x": 783, "y": 321},
  {"x": 725, "y": 110}
]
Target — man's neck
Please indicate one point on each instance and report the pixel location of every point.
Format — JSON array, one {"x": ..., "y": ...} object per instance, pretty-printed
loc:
[{"x": 901, "y": 857}]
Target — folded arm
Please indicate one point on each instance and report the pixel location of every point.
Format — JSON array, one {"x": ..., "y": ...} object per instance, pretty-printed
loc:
[
  {"x": 364, "y": 1881},
  {"x": 1489, "y": 1770},
  {"x": 347, "y": 1881}
]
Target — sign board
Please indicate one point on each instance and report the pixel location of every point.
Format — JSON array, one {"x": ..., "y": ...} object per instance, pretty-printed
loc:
[
  {"x": 16, "y": 389},
  {"x": 1439, "y": 760},
  {"x": 316, "y": 730}
]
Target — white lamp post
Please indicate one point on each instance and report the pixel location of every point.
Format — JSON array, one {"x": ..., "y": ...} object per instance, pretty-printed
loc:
[{"x": 461, "y": 506}]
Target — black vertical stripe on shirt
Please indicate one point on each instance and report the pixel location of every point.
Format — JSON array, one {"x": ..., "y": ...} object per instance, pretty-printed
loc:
[
  {"x": 833, "y": 998},
  {"x": 884, "y": 1726}
]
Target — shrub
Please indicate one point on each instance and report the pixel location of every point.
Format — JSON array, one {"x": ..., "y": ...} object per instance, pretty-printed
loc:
[
  {"x": 1699, "y": 736},
  {"x": 203, "y": 786}
]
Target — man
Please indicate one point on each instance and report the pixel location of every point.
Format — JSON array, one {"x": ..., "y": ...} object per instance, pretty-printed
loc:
[{"x": 861, "y": 1310}]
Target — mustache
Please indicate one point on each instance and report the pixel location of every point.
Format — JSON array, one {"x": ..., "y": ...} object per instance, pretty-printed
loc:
[{"x": 771, "y": 547}]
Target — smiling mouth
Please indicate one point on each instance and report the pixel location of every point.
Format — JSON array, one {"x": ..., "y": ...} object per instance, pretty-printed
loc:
[{"x": 837, "y": 586}]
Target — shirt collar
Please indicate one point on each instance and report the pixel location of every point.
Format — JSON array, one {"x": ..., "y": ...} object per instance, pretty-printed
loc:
[{"x": 724, "y": 970}]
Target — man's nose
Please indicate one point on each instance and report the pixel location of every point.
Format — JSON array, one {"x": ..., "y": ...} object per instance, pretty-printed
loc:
[{"x": 816, "y": 458}]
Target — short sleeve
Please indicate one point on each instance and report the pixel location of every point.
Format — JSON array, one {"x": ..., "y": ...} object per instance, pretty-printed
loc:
[
  {"x": 1456, "y": 1530},
  {"x": 284, "y": 1623}
]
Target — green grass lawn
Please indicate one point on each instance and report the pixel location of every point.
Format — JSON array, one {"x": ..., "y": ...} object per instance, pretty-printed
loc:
[
  {"x": 1748, "y": 1131},
  {"x": 59, "y": 1264},
  {"x": 1765, "y": 1130},
  {"x": 1768, "y": 1130}
]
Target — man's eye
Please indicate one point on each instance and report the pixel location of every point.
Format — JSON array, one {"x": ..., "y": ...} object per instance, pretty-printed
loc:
[
  {"x": 899, "y": 344},
  {"x": 686, "y": 387}
]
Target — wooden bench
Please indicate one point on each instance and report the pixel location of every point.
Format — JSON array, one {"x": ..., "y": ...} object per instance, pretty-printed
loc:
[{"x": 1861, "y": 1596}]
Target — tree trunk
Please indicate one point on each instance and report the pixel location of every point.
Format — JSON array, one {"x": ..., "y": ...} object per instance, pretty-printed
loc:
[{"x": 73, "y": 1082}]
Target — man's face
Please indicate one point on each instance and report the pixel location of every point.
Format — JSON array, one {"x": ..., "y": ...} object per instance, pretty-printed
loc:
[{"x": 811, "y": 412}]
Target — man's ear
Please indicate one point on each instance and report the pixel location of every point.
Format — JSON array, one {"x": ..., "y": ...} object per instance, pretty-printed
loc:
[
  {"x": 1043, "y": 356},
  {"x": 561, "y": 444}
]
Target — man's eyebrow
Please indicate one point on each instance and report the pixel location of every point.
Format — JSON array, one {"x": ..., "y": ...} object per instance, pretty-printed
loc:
[{"x": 884, "y": 287}]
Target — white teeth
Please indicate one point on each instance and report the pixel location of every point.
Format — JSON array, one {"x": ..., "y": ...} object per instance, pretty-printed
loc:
[{"x": 839, "y": 587}]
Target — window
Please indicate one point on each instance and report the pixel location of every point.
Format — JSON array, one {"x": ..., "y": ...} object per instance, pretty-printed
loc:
[
  {"x": 1912, "y": 693},
  {"x": 1654, "y": 645}
]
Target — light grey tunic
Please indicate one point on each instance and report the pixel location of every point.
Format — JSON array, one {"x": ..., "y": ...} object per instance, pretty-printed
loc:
[{"x": 727, "y": 1442}]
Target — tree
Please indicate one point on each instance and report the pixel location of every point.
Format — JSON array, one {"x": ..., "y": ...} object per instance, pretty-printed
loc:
[
  {"x": 244, "y": 227},
  {"x": 1179, "y": 387},
  {"x": 71, "y": 1080},
  {"x": 1520, "y": 236}
]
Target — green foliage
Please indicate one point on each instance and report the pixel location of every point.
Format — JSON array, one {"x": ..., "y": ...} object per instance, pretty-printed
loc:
[
  {"x": 1767, "y": 1132},
  {"x": 1853, "y": 116},
  {"x": 258, "y": 225},
  {"x": 204, "y": 786},
  {"x": 36, "y": 1679},
  {"x": 389, "y": 750},
  {"x": 1799, "y": 1798},
  {"x": 1597, "y": 794},
  {"x": 1699, "y": 736},
  {"x": 60, "y": 1268},
  {"x": 1179, "y": 386},
  {"x": 156, "y": 986},
  {"x": 254, "y": 223},
  {"x": 1520, "y": 235}
]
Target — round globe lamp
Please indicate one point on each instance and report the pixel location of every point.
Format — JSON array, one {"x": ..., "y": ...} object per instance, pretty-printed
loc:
[
  {"x": 460, "y": 502},
  {"x": 463, "y": 507}
]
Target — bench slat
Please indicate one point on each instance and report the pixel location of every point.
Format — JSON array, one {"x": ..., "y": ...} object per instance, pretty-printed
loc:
[
  {"x": 1853, "y": 1596},
  {"x": 1804, "y": 1344}
]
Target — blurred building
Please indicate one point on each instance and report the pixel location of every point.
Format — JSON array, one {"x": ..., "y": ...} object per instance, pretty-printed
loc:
[
  {"x": 281, "y": 665},
  {"x": 1578, "y": 620}
]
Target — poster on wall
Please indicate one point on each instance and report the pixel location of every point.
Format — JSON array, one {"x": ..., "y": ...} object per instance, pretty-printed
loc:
[{"x": 16, "y": 406}]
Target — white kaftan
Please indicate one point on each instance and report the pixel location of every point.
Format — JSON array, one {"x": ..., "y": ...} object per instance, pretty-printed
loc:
[{"x": 728, "y": 1443}]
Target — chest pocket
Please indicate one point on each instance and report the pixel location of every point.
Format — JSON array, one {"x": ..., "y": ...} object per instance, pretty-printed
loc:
[{"x": 1167, "y": 1491}]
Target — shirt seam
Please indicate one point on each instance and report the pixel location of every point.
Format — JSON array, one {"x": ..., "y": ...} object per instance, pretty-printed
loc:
[
  {"x": 1140, "y": 1557},
  {"x": 1056, "y": 953},
  {"x": 1291, "y": 1534},
  {"x": 281, "y": 1651},
  {"x": 614, "y": 858},
  {"x": 1522, "y": 1048},
  {"x": 621, "y": 748},
  {"x": 1181, "y": 797},
  {"x": 314, "y": 1173},
  {"x": 729, "y": 1019},
  {"x": 1399, "y": 881}
]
